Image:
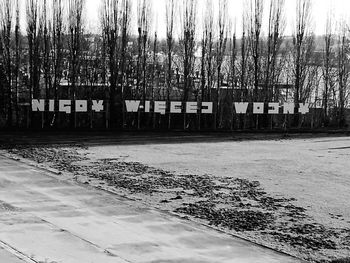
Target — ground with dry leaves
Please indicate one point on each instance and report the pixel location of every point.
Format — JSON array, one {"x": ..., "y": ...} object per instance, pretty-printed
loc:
[{"x": 230, "y": 203}]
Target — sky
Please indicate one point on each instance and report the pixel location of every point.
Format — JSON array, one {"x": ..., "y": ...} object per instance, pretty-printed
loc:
[
  {"x": 340, "y": 9},
  {"x": 320, "y": 8}
]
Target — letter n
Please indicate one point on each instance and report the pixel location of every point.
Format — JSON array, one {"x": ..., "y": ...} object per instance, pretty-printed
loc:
[
  {"x": 288, "y": 108},
  {"x": 38, "y": 105}
]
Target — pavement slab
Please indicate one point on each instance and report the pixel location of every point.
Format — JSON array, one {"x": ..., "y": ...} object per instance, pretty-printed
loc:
[
  {"x": 49, "y": 219},
  {"x": 7, "y": 257}
]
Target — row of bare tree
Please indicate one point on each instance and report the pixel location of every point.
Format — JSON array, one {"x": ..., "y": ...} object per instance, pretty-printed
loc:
[{"x": 207, "y": 61}]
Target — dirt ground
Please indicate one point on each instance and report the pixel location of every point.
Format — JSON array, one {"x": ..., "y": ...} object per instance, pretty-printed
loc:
[{"x": 291, "y": 194}]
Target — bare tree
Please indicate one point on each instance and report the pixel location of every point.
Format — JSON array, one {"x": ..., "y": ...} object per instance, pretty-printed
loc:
[
  {"x": 144, "y": 13},
  {"x": 207, "y": 43},
  {"x": 208, "y": 55},
  {"x": 17, "y": 60},
  {"x": 276, "y": 26},
  {"x": 34, "y": 35},
  {"x": 303, "y": 42},
  {"x": 303, "y": 48},
  {"x": 6, "y": 20},
  {"x": 170, "y": 12},
  {"x": 46, "y": 52},
  {"x": 75, "y": 40},
  {"x": 220, "y": 51},
  {"x": 342, "y": 73},
  {"x": 110, "y": 31},
  {"x": 57, "y": 46},
  {"x": 125, "y": 28},
  {"x": 244, "y": 62},
  {"x": 232, "y": 69},
  {"x": 188, "y": 43},
  {"x": 255, "y": 15},
  {"x": 327, "y": 65}
]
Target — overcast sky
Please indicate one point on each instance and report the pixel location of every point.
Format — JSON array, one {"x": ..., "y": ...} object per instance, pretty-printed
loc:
[{"x": 341, "y": 9}]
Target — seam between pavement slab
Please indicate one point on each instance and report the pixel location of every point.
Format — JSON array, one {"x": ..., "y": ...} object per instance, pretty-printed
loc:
[{"x": 84, "y": 240}]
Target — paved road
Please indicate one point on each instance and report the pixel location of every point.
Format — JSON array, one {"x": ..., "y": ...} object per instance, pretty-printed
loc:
[{"x": 48, "y": 219}]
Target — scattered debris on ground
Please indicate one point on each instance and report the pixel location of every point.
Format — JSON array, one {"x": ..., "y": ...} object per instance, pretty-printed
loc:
[{"x": 236, "y": 205}]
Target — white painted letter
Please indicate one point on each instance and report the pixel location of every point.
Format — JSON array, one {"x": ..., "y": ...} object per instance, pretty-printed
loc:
[
  {"x": 288, "y": 108},
  {"x": 65, "y": 106},
  {"x": 258, "y": 108},
  {"x": 191, "y": 107},
  {"x": 97, "y": 105},
  {"x": 207, "y": 107},
  {"x": 274, "y": 108},
  {"x": 51, "y": 105},
  {"x": 38, "y": 105},
  {"x": 147, "y": 106},
  {"x": 132, "y": 105},
  {"x": 176, "y": 107},
  {"x": 80, "y": 106},
  {"x": 241, "y": 107},
  {"x": 160, "y": 107},
  {"x": 304, "y": 108}
]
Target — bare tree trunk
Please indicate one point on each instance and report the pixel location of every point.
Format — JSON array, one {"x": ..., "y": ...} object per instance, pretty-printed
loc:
[
  {"x": 233, "y": 77},
  {"x": 255, "y": 15},
  {"x": 17, "y": 58},
  {"x": 46, "y": 55},
  {"x": 274, "y": 42},
  {"x": 125, "y": 27},
  {"x": 243, "y": 94},
  {"x": 188, "y": 43},
  {"x": 6, "y": 21},
  {"x": 255, "y": 24},
  {"x": 57, "y": 53},
  {"x": 170, "y": 21},
  {"x": 143, "y": 23},
  {"x": 302, "y": 53},
  {"x": 207, "y": 69},
  {"x": 76, "y": 34},
  {"x": 327, "y": 66},
  {"x": 343, "y": 74},
  {"x": 276, "y": 26},
  {"x": 220, "y": 53}
]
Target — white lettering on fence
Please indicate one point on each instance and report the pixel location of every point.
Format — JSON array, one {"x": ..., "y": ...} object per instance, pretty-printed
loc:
[
  {"x": 132, "y": 105},
  {"x": 160, "y": 107},
  {"x": 207, "y": 107},
  {"x": 273, "y": 108},
  {"x": 258, "y": 108},
  {"x": 288, "y": 108},
  {"x": 241, "y": 107},
  {"x": 304, "y": 108},
  {"x": 97, "y": 105},
  {"x": 65, "y": 106},
  {"x": 175, "y": 107},
  {"x": 38, "y": 105},
  {"x": 80, "y": 106}
]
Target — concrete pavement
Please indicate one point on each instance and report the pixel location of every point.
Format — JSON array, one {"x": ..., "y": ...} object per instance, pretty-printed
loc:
[
  {"x": 46, "y": 219},
  {"x": 7, "y": 257}
]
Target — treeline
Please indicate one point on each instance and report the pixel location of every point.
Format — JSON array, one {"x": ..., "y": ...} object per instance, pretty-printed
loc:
[{"x": 206, "y": 61}]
